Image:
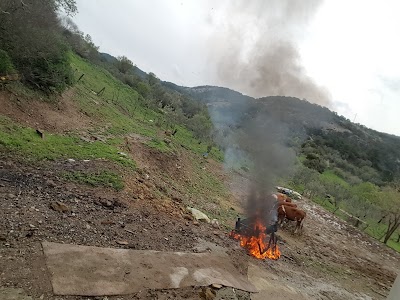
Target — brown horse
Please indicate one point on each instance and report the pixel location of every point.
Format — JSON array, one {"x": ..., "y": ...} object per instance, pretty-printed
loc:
[{"x": 293, "y": 214}]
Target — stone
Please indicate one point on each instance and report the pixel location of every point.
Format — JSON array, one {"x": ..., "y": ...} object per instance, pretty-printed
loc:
[
  {"x": 216, "y": 286},
  {"x": 59, "y": 206},
  {"x": 198, "y": 215},
  {"x": 215, "y": 223},
  {"x": 207, "y": 294},
  {"x": 122, "y": 243},
  {"x": 50, "y": 183}
]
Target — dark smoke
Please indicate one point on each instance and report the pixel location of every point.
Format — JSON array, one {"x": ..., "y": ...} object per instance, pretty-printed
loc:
[
  {"x": 262, "y": 140},
  {"x": 256, "y": 51}
]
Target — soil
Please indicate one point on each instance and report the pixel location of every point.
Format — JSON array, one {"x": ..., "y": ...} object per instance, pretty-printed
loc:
[
  {"x": 329, "y": 259},
  {"x": 60, "y": 115}
]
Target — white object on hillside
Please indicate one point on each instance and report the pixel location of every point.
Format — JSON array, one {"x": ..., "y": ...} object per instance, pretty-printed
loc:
[{"x": 198, "y": 215}]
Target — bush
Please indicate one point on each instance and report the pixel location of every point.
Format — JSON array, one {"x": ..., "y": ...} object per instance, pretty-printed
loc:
[
  {"x": 6, "y": 65},
  {"x": 33, "y": 41}
]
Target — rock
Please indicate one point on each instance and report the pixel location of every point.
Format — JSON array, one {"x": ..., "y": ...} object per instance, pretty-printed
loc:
[
  {"x": 106, "y": 203},
  {"x": 216, "y": 286},
  {"x": 50, "y": 183},
  {"x": 122, "y": 154},
  {"x": 11, "y": 196},
  {"x": 59, "y": 206},
  {"x": 70, "y": 160},
  {"x": 196, "y": 223},
  {"x": 40, "y": 133},
  {"x": 207, "y": 294},
  {"x": 187, "y": 217},
  {"x": 198, "y": 215},
  {"x": 122, "y": 243},
  {"x": 215, "y": 223},
  {"x": 88, "y": 226}
]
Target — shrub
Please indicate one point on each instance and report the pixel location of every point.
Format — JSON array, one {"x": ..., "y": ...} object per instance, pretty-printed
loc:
[{"x": 6, "y": 65}]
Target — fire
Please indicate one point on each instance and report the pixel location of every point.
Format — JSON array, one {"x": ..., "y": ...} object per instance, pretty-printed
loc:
[{"x": 258, "y": 245}]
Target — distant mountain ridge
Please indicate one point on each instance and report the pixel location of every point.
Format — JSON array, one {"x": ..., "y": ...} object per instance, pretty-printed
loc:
[
  {"x": 333, "y": 138},
  {"x": 330, "y": 138}
]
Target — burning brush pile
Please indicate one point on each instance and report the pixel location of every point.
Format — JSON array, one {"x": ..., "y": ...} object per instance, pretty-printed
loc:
[
  {"x": 259, "y": 142},
  {"x": 259, "y": 240},
  {"x": 257, "y": 233}
]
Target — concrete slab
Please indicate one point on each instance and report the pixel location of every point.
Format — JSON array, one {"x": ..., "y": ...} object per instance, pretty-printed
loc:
[
  {"x": 94, "y": 271},
  {"x": 269, "y": 287}
]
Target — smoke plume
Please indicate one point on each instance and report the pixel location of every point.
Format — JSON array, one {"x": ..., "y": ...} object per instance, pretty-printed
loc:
[
  {"x": 256, "y": 53},
  {"x": 256, "y": 49}
]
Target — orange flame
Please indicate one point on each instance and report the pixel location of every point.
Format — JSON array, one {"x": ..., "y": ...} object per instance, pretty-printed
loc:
[{"x": 257, "y": 246}]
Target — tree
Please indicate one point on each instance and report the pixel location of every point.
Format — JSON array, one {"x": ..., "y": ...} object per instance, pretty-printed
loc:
[
  {"x": 6, "y": 65},
  {"x": 31, "y": 34},
  {"x": 152, "y": 79},
  {"x": 124, "y": 64},
  {"x": 389, "y": 202},
  {"x": 364, "y": 197}
]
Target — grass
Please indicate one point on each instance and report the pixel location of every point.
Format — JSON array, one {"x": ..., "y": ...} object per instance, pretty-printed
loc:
[
  {"x": 27, "y": 143},
  {"x": 329, "y": 176},
  {"x": 159, "y": 145},
  {"x": 121, "y": 107},
  {"x": 102, "y": 178}
]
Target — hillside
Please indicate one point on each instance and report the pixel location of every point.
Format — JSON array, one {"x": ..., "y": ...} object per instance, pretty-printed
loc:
[
  {"x": 123, "y": 186},
  {"x": 102, "y": 163}
]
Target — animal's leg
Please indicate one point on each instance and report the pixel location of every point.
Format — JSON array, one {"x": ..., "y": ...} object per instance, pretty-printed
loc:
[{"x": 297, "y": 226}]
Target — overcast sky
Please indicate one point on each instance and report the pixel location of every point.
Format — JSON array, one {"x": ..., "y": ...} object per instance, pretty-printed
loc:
[{"x": 343, "y": 54}]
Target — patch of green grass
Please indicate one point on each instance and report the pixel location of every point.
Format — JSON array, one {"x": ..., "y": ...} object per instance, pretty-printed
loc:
[
  {"x": 394, "y": 245},
  {"x": 185, "y": 137},
  {"x": 377, "y": 230},
  {"x": 26, "y": 142},
  {"x": 159, "y": 145},
  {"x": 329, "y": 176},
  {"x": 102, "y": 178},
  {"x": 119, "y": 105}
]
